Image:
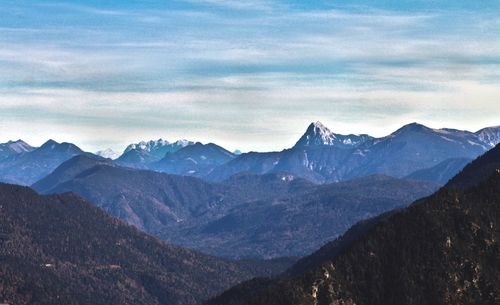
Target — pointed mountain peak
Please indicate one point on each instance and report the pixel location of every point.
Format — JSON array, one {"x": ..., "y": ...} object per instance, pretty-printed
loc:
[
  {"x": 318, "y": 127},
  {"x": 317, "y": 134},
  {"x": 317, "y": 124},
  {"x": 49, "y": 143}
]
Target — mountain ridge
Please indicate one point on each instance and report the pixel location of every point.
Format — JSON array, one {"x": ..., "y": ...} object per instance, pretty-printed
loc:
[
  {"x": 246, "y": 216},
  {"x": 28, "y": 167},
  {"x": 321, "y": 156},
  {"x": 442, "y": 249},
  {"x": 60, "y": 249}
]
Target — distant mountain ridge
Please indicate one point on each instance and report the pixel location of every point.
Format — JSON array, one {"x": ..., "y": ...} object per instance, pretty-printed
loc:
[
  {"x": 159, "y": 147},
  {"x": 33, "y": 164},
  {"x": 322, "y": 156},
  {"x": 246, "y": 216},
  {"x": 13, "y": 148},
  {"x": 138, "y": 155}
]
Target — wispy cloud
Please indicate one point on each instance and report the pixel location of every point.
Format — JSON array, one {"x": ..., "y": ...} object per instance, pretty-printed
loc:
[{"x": 232, "y": 67}]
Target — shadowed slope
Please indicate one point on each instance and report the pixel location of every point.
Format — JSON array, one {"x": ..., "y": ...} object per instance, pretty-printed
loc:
[{"x": 60, "y": 249}]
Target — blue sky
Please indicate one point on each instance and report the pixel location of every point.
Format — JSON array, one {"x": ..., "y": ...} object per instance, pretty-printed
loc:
[{"x": 248, "y": 75}]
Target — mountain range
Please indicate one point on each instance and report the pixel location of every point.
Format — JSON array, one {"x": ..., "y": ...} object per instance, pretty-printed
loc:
[
  {"x": 328, "y": 192},
  {"x": 61, "y": 249},
  {"x": 139, "y": 155},
  {"x": 227, "y": 211},
  {"x": 319, "y": 156},
  {"x": 443, "y": 249},
  {"x": 28, "y": 165},
  {"x": 246, "y": 216},
  {"x": 322, "y": 156}
]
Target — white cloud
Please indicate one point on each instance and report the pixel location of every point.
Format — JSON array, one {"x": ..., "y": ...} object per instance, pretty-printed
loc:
[{"x": 216, "y": 75}]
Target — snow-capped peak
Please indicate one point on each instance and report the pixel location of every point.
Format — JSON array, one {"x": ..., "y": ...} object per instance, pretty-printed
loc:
[
  {"x": 318, "y": 134},
  {"x": 158, "y": 148},
  {"x": 489, "y": 135},
  {"x": 183, "y": 143},
  {"x": 108, "y": 153},
  {"x": 147, "y": 146}
]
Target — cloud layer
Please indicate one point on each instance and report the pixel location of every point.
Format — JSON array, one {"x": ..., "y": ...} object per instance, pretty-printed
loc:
[{"x": 247, "y": 75}]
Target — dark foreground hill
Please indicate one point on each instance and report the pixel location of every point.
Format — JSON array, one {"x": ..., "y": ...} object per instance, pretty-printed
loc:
[
  {"x": 442, "y": 250},
  {"x": 60, "y": 249}
]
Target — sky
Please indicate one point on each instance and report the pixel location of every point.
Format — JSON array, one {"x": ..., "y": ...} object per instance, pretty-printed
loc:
[{"x": 248, "y": 75}]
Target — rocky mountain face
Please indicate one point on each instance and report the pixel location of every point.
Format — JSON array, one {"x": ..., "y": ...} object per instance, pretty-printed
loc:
[
  {"x": 247, "y": 216},
  {"x": 61, "y": 249},
  {"x": 139, "y": 155},
  {"x": 28, "y": 167},
  {"x": 14, "y": 148},
  {"x": 322, "y": 156},
  {"x": 443, "y": 249},
  {"x": 318, "y": 134},
  {"x": 489, "y": 135},
  {"x": 159, "y": 148}
]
